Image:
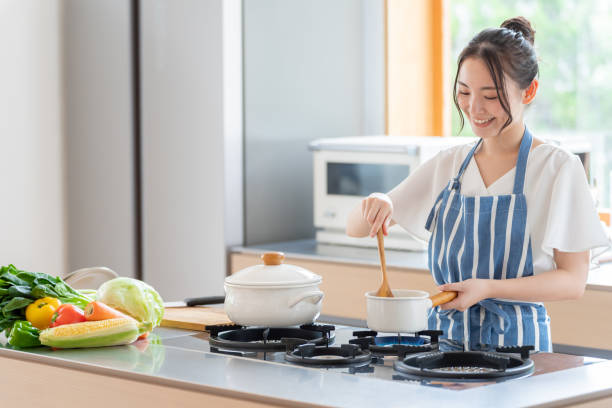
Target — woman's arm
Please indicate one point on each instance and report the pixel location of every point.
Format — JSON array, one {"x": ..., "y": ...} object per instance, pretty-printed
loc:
[{"x": 567, "y": 282}]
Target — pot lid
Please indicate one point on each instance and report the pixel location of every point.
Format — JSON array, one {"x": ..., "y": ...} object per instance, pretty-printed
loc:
[{"x": 273, "y": 273}]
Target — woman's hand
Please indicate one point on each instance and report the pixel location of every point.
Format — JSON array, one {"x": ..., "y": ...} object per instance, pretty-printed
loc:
[
  {"x": 377, "y": 209},
  {"x": 469, "y": 292}
]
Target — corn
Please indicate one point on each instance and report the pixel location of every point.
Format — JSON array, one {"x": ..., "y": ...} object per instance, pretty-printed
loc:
[{"x": 101, "y": 333}]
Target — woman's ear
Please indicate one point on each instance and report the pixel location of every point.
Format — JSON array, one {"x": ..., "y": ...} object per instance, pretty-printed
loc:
[{"x": 530, "y": 92}]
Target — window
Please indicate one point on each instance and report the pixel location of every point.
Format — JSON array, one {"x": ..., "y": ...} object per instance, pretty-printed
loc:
[{"x": 574, "y": 45}]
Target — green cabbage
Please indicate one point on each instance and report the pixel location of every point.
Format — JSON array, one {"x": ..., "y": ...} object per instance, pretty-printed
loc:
[{"x": 134, "y": 297}]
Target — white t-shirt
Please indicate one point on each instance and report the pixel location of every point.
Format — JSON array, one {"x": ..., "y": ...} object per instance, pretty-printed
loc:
[{"x": 561, "y": 212}]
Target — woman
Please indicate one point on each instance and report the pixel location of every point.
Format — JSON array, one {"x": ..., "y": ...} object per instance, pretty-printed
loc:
[{"x": 515, "y": 224}]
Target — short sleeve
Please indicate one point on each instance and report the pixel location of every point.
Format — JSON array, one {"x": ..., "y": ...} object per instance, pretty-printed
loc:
[
  {"x": 573, "y": 224},
  {"x": 414, "y": 197}
]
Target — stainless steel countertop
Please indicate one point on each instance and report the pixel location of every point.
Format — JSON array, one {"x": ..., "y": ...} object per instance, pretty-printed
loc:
[
  {"x": 312, "y": 250},
  {"x": 175, "y": 358},
  {"x": 599, "y": 278}
]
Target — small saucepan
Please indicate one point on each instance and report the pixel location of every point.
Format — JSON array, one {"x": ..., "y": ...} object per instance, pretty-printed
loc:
[{"x": 405, "y": 312}]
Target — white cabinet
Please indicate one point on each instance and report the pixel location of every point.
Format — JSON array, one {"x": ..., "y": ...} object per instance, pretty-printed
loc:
[{"x": 191, "y": 143}]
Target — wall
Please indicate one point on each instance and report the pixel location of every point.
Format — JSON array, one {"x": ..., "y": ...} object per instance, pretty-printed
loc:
[
  {"x": 312, "y": 69},
  {"x": 99, "y": 134},
  {"x": 32, "y": 213}
]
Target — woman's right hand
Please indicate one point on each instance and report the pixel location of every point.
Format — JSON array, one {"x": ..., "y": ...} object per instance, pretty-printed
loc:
[{"x": 377, "y": 210}]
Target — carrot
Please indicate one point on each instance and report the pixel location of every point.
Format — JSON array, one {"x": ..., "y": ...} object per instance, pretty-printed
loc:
[
  {"x": 99, "y": 311},
  {"x": 143, "y": 336}
]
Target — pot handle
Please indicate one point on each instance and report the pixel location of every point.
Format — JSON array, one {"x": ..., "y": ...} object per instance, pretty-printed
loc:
[
  {"x": 442, "y": 297},
  {"x": 313, "y": 297}
]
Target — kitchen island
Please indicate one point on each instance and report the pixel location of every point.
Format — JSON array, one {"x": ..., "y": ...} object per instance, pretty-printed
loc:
[{"x": 174, "y": 368}]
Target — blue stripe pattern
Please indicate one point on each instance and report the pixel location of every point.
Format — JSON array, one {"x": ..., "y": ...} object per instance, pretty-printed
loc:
[{"x": 487, "y": 238}]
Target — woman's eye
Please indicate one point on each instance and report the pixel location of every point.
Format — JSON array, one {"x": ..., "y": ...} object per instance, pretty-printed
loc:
[
  {"x": 463, "y": 93},
  {"x": 490, "y": 97}
]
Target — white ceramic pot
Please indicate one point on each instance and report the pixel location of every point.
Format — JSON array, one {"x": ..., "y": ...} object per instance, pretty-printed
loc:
[
  {"x": 273, "y": 294},
  {"x": 406, "y": 312}
]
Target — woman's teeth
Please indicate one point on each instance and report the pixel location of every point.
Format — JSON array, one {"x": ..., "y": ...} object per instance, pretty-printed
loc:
[{"x": 480, "y": 122}]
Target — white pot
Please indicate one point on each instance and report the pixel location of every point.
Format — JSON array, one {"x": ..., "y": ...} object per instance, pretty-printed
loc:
[
  {"x": 406, "y": 312},
  {"x": 273, "y": 294}
]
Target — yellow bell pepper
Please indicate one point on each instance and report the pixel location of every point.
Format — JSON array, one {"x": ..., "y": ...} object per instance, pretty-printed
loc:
[{"x": 40, "y": 312}]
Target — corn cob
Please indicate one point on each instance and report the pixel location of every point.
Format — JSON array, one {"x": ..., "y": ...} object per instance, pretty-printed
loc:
[{"x": 101, "y": 333}]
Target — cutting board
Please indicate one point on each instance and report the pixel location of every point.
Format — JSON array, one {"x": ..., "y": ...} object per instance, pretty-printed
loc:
[{"x": 194, "y": 318}]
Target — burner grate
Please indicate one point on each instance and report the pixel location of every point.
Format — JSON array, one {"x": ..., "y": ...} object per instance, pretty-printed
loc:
[
  {"x": 310, "y": 354},
  {"x": 268, "y": 338},
  {"x": 463, "y": 365},
  {"x": 400, "y": 345}
]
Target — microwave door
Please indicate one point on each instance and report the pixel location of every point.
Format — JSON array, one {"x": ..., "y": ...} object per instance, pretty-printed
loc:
[{"x": 342, "y": 180}]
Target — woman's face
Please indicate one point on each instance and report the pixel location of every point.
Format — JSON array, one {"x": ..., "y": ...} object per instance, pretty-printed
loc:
[{"x": 478, "y": 99}]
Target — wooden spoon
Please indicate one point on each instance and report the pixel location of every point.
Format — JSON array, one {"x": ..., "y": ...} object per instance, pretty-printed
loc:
[{"x": 385, "y": 290}]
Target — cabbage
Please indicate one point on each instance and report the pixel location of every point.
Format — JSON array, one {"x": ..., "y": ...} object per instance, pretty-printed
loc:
[{"x": 134, "y": 297}]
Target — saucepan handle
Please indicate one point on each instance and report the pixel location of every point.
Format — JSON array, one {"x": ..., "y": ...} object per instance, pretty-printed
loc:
[
  {"x": 442, "y": 297},
  {"x": 313, "y": 297}
]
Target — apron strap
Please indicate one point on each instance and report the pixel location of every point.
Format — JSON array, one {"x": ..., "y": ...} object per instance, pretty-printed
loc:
[
  {"x": 496, "y": 310},
  {"x": 455, "y": 183},
  {"x": 521, "y": 163}
]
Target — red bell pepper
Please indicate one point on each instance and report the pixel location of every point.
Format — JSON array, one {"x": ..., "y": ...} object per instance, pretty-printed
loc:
[{"x": 67, "y": 314}]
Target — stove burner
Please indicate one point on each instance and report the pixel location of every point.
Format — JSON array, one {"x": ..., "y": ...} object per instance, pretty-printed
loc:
[
  {"x": 267, "y": 338},
  {"x": 309, "y": 354},
  {"x": 468, "y": 364},
  {"x": 422, "y": 341}
]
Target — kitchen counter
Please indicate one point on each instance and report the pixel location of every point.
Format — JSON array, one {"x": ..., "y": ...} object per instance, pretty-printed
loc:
[
  {"x": 176, "y": 359},
  {"x": 599, "y": 278}
]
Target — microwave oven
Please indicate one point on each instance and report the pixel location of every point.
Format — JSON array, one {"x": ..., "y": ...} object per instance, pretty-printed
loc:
[{"x": 348, "y": 169}]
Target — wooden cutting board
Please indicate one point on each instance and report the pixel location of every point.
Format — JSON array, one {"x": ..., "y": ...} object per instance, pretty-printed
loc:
[{"x": 194, "y": 318}]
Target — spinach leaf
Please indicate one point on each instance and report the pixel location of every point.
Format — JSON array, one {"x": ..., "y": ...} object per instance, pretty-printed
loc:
[
  {"x": 37, "y": 278},
  {"x": 20, "y": 291},
  {"x": 41, "y": 291},
  {"x": 62, "y": 290},
  {"x": 9, "y": 277},
  {"x": 16, "y": 303}
]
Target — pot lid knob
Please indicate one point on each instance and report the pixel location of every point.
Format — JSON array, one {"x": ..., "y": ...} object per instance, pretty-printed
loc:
[{"x": 273, "y": 258}]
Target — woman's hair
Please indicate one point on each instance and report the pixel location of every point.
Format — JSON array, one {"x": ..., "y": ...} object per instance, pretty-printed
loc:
[{"x": 508, "y": 49}]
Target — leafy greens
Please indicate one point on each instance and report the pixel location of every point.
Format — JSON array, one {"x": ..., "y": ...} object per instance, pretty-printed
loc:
[{"x": 19, "y": 288}]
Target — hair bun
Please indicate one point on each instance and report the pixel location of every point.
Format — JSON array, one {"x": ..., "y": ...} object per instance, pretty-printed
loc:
[{"x": 521, "y": 25}]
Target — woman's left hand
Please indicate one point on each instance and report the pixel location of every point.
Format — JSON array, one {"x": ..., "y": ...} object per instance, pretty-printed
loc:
[{"x": 469, "y": 292}]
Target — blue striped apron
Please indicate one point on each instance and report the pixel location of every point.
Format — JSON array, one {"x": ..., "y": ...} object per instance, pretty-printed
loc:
[{"x": 485, "y": 237}]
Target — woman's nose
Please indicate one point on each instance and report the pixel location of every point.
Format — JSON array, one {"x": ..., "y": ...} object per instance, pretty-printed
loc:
[{"x": 476, "y": 106}]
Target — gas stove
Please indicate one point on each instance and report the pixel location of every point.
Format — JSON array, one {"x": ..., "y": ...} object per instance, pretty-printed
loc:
[{"x": 413, "y": 358}]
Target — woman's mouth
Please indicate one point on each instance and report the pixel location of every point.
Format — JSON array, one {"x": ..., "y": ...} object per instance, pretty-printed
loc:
[{"x": 481, "y": 123}]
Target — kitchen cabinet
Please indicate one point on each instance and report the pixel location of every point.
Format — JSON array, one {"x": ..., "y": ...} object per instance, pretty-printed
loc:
[
  {"x": 74, "y": 387},
  {"x": 578, "y": 323}
]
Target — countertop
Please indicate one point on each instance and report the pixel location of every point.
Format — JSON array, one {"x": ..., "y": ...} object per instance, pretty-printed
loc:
[
  {"x": 176, "y": 358},
  {"x": 600, "y": 278}
]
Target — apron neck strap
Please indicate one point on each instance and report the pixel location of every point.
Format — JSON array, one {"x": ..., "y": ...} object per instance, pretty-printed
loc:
[
  {"x": 467, "y": 160},
  {"x": 521, "y": 162}
]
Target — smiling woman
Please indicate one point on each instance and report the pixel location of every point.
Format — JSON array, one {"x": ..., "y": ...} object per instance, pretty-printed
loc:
[{"x": 508, "y": 230}]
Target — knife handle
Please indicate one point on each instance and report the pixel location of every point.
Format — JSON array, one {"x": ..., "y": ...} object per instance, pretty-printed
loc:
[{"x": 206, "y": 300}]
